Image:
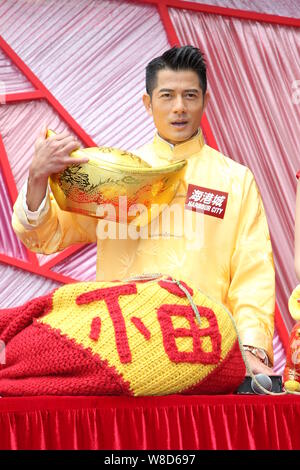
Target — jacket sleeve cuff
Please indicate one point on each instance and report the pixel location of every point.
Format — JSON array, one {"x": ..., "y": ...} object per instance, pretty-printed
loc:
[{"x": 34, "y": 218}]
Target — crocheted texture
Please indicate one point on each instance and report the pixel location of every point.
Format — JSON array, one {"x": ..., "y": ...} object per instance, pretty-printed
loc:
[
  {"x": 141, "y": 327},
  {"x": 95, "y": 328},
  {"x": 133, "y": 338},
  {"x": 166, "y": 314},
  {"x": 42, "y": 361},
  {"x": 111, "y": 295},
  {"x": 174, "y": 288}
]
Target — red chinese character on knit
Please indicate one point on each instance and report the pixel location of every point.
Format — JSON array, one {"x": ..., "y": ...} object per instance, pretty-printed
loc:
[
  {"x": 111, "y": 296},
  {"x": 197, "y": 355}
]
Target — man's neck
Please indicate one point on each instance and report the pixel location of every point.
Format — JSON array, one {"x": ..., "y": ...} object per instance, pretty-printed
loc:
[{"x": 172, "y": 145}]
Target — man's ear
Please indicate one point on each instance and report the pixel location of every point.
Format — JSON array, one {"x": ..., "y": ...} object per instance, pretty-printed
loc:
[
  {"x": 147, "y": 103},
  {"x": 206, "y": 100}
]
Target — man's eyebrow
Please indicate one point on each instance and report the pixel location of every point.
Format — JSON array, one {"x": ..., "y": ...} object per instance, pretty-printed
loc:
[{"x": 163, "y": 90}]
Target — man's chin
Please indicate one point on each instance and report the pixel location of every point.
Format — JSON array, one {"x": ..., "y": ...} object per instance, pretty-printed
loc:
[{"x": 180, "y": 139}]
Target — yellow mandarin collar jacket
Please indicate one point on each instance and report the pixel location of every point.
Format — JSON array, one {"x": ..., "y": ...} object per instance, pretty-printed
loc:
[
  {"x": 165, "y": 151},
  {"x": 229, "y": 258}
]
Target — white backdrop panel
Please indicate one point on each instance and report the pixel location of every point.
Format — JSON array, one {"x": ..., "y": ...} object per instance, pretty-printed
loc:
[
  {"x": 18, "y": 286},
  {"x": 289, "y": 8},
  {"x": 10, "y": 245},
  {"x": 11, "y": 79}
]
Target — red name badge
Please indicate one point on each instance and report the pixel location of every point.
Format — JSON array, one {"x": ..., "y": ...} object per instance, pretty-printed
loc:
[{"x": 206, "y": 200}]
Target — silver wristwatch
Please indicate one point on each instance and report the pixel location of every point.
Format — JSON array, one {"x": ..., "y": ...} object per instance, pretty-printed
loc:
[{"x": 259, "y": 353}]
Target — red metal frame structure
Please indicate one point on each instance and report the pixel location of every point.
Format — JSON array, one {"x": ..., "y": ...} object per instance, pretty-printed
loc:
[
  {"x": 41, "y": 92},
  {"x": 223, "y": 11}
]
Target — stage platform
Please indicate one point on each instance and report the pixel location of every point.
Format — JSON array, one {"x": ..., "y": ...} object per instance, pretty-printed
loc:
[{"x": 170, "y": 422}]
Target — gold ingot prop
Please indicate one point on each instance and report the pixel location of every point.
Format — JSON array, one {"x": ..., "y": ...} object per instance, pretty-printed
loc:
[{"x": 116, "y": 185}]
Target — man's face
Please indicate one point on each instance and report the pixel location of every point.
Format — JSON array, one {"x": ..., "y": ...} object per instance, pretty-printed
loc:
[{"x": 177, "y": 104}]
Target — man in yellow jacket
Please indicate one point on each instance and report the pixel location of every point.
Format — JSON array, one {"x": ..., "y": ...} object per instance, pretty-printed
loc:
[{"x": 229, "y": 255}]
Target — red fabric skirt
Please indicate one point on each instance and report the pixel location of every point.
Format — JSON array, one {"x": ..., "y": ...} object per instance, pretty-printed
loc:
[{"x": 169, "y": 422}]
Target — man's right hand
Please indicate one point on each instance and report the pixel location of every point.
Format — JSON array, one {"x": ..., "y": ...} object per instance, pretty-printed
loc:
[{"x": 51, "y": 155}]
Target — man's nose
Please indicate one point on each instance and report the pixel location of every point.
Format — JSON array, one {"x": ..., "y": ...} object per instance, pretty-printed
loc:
[{"x": 179, "y": 105}]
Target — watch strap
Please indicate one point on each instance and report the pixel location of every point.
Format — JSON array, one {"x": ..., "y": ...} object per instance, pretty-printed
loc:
[{"x": 259, "y": 353}]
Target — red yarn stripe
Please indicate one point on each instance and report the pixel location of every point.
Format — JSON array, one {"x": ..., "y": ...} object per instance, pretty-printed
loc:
[
  {"x": 14, "y": 320},
  {"x": 141, "y": 327},
  {"x": 175, "y": 289},
  {"x": 95, "y": 328},
  {"x": 111, "y": 296},
  {"x": 169, "y": 333}
]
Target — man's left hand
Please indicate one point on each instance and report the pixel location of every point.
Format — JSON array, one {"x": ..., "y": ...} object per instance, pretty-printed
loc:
[{"x": 256, "y": 365}]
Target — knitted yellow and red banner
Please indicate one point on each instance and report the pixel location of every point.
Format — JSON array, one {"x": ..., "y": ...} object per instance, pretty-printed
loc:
[{"x": 143, "y": 337}]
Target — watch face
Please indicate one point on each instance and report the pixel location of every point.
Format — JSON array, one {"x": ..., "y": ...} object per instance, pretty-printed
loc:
[
  {"x": 259, "y": 353},
  {"x": 262, "y": 355}
]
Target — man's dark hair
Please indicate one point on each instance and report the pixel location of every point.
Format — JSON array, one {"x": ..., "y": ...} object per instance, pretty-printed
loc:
[{"x": 177, "y": 58}]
